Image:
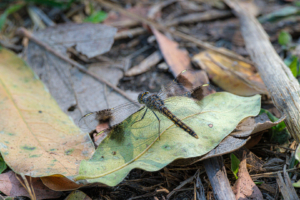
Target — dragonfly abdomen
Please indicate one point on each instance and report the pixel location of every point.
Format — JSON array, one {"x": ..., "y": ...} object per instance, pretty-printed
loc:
[{"x": 178, "y": 122}]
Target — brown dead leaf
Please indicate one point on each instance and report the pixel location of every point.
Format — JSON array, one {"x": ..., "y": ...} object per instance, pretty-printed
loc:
[
  {"x": 245, "y": 188},
  {"x": 60, "y": 183},
  {"x": 177, "y": 59},
  {"x": 11, "y": 186},
  {"x": 254, "y": 163},
  {"x": 231, "y": 75},
  {"x": 122, "y": 21}
]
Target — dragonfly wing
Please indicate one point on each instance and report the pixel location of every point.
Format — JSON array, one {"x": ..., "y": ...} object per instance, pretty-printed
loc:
[
  {"x": 112, "y": 116},
  {"x": 184, "y": 85}
]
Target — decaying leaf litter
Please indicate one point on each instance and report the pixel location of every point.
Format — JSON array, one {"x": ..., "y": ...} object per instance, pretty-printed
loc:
[{"x": 177, "y": 34}]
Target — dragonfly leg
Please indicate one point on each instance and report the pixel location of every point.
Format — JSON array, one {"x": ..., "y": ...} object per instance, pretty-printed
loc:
[
  {"x": 158, "y": 123},
  {"x": 142, "y": 116}
]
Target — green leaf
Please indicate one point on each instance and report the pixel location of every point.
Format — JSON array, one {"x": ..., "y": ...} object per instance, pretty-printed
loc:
[
  {"x": 270, "y": 115},
  {"x": 138, "y": 145},
  {"x": 77, "y": 195},
  {"x": 2, "y": 165},
  {"x": 258, "y": 183},
  {"x": 64, "y": 4},
  {"x": 279, "y": 14},
  {"x": 278, "y": 133},
  {"x": 284, "y": 38},
  {"x": 235, "y": 162},
  {"x": 96, "y": 17},
  {"x": 297, "y": 184},
  {"x": 278, "y": 127},
  {"x": 294, "y": 66},
  {"x": 8, "y": 11},
  {"x": 297, "y": 3}
]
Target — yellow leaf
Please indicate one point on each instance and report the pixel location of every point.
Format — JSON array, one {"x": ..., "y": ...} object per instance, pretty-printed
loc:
[
  {"x": 231, "y": 75},
  {"x": 36, "y": 137}
]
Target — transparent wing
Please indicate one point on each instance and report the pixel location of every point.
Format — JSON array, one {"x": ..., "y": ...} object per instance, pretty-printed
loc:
[
  {"x": 189, "y": 83},
  {"x": 112, "y": 116}
]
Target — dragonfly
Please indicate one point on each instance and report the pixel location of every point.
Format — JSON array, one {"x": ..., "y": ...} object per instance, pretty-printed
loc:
[{"x": 182, "y": 85}]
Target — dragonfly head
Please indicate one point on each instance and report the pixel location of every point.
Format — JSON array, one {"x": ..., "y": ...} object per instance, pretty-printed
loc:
[{"x": 142, "y": 96}]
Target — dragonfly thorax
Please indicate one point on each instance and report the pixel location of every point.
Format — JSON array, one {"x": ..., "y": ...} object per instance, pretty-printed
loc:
[{"x": 152, "y": 101}]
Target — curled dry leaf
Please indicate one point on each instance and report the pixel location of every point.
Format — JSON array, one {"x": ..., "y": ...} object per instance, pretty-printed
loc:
[
  {"x": 245, "y": 188},
  {"x": 231, "y": 75},
  {"x": 177, "y": 59}
]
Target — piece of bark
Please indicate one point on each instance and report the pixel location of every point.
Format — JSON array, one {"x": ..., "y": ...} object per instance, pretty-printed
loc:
[
  {"x": 278, "y": 78},
  {"x": 286, "y": 187},
  {"x": 200, "y": 193},
  {"x": 217, "y": 175}
]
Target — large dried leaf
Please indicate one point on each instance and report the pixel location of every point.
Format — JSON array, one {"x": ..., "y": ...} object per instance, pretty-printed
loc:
[
  {"x": 137, "y": 145},
  {"x": 75, "y": 92},
  {"x": 231, "y": 75},
  {"x": 36, "y": 138}
]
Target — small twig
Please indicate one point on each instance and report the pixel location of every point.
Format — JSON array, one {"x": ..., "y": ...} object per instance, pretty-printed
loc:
[
  {"x": 271, "y": 174},
  {"x": 130, "y": 33},
  {"x": 29, "y": 35},
  {"x": 149, "y": 194},
  {"x": 27, "y": 186},
  {"x": 282, "y": 155},
  {"x": 183, "y": 183},
  {"x": 199, "y": 17},
  {"x": 174, "y": 32}
]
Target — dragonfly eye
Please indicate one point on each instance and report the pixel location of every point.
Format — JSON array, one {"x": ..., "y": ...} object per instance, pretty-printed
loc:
[{"x": 141, "y": 96}]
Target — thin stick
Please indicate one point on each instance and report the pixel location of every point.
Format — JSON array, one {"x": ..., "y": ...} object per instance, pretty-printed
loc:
[
  {"x": 26, "y": 33},
  {"x": 272, "y": 174},
  {"x": 174, "y": 32}
]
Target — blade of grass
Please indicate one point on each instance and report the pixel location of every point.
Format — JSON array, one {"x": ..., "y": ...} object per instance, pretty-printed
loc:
[{"x": 11, "y": 9}]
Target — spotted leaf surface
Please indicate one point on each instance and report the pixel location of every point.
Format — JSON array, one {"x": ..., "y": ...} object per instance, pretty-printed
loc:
[{"x": 138, "y": 145}]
